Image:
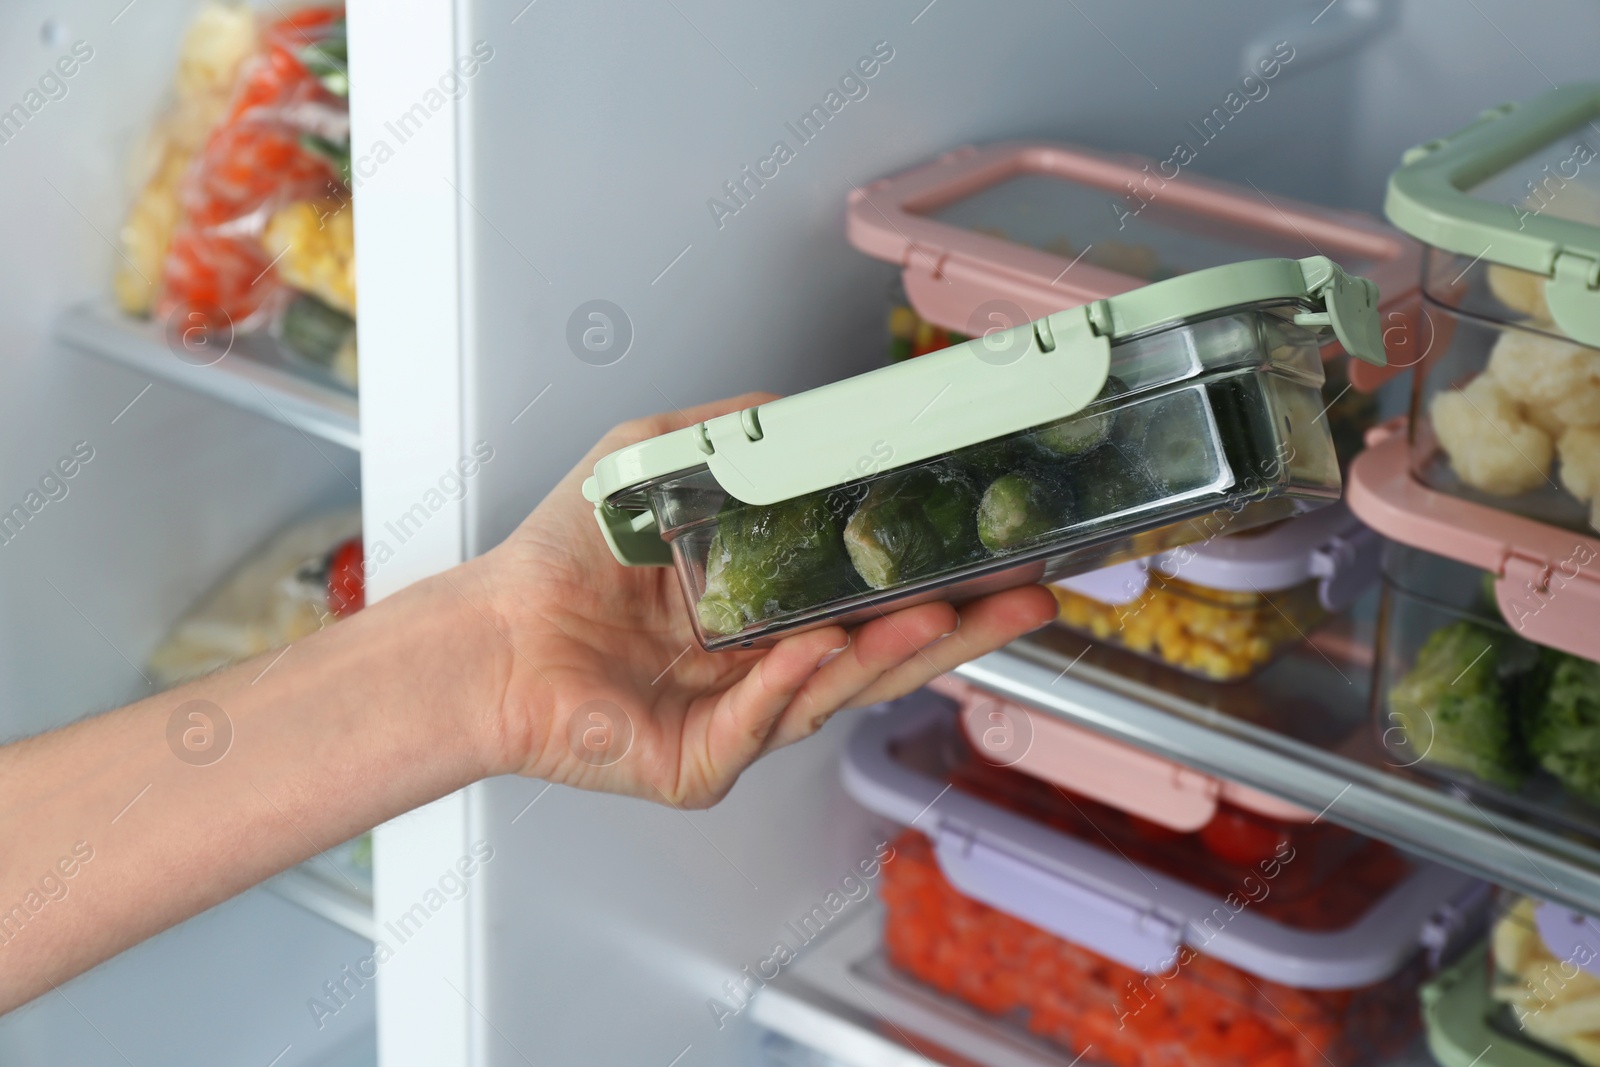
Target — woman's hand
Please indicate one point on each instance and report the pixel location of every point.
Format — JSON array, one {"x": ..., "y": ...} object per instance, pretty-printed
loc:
[{"x": 607, "y": 688}]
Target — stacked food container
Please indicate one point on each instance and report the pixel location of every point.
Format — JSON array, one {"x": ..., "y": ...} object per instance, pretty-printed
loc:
[
  {"x": 1528, "y": 997},
  {"x": 1214, "y": 933},
  {"x": 989, "y": 237},
  {"x": 1489, "y": 626}
]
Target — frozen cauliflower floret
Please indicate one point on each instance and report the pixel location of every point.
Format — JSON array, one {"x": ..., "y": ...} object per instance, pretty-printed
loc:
[
  {"x": 1543, "y": 418},
  {"x": 1519, "y": 290},
  {"x": 1490, "y": 447},
  {"x": 1561, "y": 379},
  {"x": 1579, "y": 449}
]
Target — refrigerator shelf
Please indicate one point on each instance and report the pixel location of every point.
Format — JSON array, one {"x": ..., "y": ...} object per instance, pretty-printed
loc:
[
  {"x": 842, "y": 999},
  {"x": 1301, "y": 732},
  {"x": 255, "y": 374},
  {"x": 329, "y": 889}
]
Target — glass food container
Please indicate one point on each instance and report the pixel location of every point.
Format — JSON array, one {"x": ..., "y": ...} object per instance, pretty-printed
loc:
[
  {"x": 1226, "y": 608},
  {"x": 1458, "y": 692},
  {"x": 1107, "y": 432},
  {"x": 1500, "y": 467},
  {"x": 1160, "y": 814},
  {"x": 1527, "y": 997},
  {"x": 1005, "y": 233},
  {"x": 1085, "y": 947},
  {"x": 1145, "y": 803}
]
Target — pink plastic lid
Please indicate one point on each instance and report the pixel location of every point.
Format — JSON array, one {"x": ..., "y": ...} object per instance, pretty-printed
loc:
[
  {"x": 1099, "y": 767},
  {"x": 1547, "y": 580},
  {"x": 951, "y": 270}
]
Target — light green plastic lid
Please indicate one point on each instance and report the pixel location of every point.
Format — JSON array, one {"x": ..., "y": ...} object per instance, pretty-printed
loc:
[
  {"x": 1431, "y": 198},
  {"x": 1003, "y": 383},
  {"x": 1456, "y": 1009}
]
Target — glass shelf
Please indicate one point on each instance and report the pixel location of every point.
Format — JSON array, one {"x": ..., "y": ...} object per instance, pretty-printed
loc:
[
  {"x": 255, "y": 374},
  {"x": 1302, "y": 730},
  {"x": 331, "y": 886},
  {"x": 841, "y": 999}
]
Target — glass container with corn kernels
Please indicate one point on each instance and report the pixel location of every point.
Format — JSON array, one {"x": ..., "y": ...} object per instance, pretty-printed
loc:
[
  {"x": 1225, "y": 608},
  {"x": 1108, "y": 432},
  {"x": 1015, "y": 903},
  {"x": 1500, "y": 464}
]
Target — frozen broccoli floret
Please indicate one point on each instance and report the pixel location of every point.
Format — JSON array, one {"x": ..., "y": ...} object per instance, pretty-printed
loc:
[
  {"x": 1542, "y": 373},
  {"x": 1455, "y": 706},
  {"x": 1563, "y": 728},
  {"x": 913, "y": 524},
  {"x": 1490, "y": 446}
]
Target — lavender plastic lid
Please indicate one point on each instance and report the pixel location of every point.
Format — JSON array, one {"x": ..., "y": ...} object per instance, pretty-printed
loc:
[
  {"x": 1329, "y": 544},
  {"x": 1569, "y": 935}
]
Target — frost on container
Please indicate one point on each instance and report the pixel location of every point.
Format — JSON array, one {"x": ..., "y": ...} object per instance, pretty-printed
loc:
[{"x": 938, "y": 478}]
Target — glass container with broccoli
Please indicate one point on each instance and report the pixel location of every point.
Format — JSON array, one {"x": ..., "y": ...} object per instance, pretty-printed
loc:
[
  {"x": 1097, "y": 434},
  {"x": 1459, "y": 690}
]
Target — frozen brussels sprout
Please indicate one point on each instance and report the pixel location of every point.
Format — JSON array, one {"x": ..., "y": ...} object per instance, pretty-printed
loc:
[
  {"x": 1080, "y": 432},
  {"x": 912, "y": 524},
  {"x": 765, "y": 561},
  {"x": 1109, "y": 482},
  {"x": 1168, "y": 442},
  {"x": 1018, "y": 507}
]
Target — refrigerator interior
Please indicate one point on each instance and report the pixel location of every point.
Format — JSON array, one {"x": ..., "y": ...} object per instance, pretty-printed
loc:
[{"x": 586, "y": 160}]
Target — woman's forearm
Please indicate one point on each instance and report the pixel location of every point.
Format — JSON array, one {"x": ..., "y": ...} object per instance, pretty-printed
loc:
[{"x": 119, "y": 826}]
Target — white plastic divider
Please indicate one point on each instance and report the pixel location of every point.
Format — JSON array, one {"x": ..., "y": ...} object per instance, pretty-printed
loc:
[{"x": 408, "y": 273}]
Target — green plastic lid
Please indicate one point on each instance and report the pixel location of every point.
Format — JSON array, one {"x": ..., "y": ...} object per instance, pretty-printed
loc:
[
  {"x": 1456, "y": 1008},
  {"x": 1002, "y": 383},
  {"x": 1446, "y": 194}
]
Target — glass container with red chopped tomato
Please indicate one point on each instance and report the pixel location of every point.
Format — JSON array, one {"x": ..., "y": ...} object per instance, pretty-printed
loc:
[{"x": 1042, "y": 907}]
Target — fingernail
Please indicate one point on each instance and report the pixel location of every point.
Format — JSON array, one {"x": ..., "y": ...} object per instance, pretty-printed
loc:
[
  {"x": 831, "y": 656},
  {"x": 948, "y": 633}
]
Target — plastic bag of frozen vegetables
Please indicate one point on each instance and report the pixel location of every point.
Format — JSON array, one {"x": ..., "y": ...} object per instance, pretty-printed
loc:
[
  {"x": 1151, "y": 419},
  {"x": 246, "y": 222}
]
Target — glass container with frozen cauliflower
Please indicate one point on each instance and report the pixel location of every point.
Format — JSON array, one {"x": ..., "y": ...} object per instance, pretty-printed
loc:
[
  {"x": 1498, "y": 466},
  {"x": 1506, "y": 409}
]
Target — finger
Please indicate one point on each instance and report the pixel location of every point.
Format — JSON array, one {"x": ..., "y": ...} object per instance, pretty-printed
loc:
[
  {"x": 877, "y": 647},
  {"x": 986, "y": 625},
  {"x": 745, "y": 715}
]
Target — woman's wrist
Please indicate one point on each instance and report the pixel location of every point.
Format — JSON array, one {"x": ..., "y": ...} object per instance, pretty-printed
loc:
[{"x": 481, "y": 662}]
